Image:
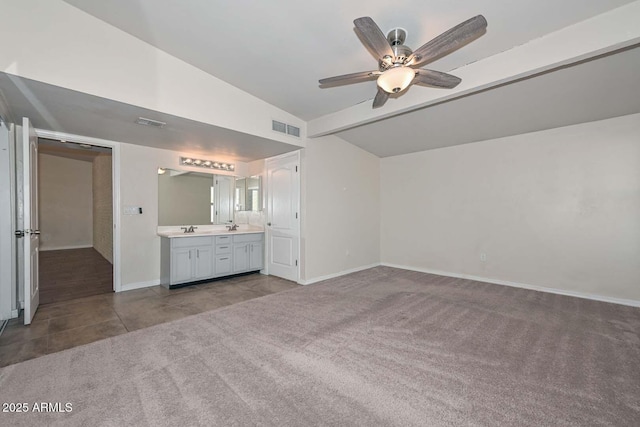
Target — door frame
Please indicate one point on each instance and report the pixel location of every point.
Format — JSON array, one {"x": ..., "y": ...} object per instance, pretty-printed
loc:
[
  {"x": 8, "y": 259},
  {"x": 294, "y": 154},
  {"x": 115, "y": 180}
]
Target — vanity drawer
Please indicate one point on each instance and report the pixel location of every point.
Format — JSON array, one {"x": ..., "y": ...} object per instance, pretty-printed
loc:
[
  {"x": 223, "y": 265},
  {"x": 189, "y": 242},
  {"x": 223, "y": 249},
  {"x": 220, "y": 240},
  {"x": 252, "y": 237}
]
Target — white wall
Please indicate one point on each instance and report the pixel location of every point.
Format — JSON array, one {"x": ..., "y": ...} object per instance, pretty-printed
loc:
[
  {"x": 6, "y": 229},
  {"x": 65, "y": 193},
  {"x": 558, "y": 209},
  {"x": 340, "y": 208}
]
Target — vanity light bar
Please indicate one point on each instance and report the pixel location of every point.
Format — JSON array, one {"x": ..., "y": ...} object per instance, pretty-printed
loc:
[{"x": 190, "y": 161}]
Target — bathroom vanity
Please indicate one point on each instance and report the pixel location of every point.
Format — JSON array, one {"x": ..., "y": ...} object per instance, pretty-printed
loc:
[
  {"x": 210, "y": 202},
  {"x": 191, "y": 257}
]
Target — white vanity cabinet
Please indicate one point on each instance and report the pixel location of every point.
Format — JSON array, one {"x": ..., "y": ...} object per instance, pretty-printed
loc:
[
  {"x": 186, "y": 259},
  {"x": 247, "y": 252},
  {"x": 192, "y": 258}
]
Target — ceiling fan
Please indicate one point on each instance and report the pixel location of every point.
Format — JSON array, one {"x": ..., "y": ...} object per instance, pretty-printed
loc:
[{"x": 399, "y": 66}]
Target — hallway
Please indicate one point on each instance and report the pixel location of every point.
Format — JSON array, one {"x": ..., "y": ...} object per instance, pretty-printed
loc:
[{"x": 73, "y": 273}]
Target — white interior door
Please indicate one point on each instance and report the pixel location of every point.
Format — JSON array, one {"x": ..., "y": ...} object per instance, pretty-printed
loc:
[
  {"x": 224, "y": 190},
  {"x": 283, "y": 223},
  {"x": 31, "y": 224}
]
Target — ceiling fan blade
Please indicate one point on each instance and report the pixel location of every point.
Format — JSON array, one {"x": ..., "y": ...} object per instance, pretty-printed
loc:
[
  {"x": 436, "y": 78},
  {"x": 373, "y": 38},
  {"x": 448, "y": 41},
  {"x": 380, "y": 99},
  {"x": 346, "y": 79}
]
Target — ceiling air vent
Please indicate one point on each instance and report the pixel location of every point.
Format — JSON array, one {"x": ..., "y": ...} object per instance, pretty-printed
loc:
[
  {"x": 150, "y": 122},
  {"x": 285, "y": 128}
]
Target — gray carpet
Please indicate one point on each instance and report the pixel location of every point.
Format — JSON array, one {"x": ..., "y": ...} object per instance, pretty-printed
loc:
[{"x": 378, "y": 347}]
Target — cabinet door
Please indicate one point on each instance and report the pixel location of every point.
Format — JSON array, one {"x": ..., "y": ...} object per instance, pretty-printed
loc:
[
  {"x": 181, "y": 265},
  {"x": 204, "y": 262},
  {"x": 255, "y": 256},
  {"x": 223, "y": 265},
  {"x": 240, "y": 258}
]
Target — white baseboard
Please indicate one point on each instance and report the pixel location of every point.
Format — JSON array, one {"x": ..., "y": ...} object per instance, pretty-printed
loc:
[
  {"x": 62, "y": 248},
  {"x": 139, "y": 285},
  {"x": 338, "y": 274},
  {"x": 621, "y": 301}
]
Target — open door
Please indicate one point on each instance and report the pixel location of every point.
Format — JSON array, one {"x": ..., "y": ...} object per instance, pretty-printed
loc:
[
  {"x": 283, "y": 223},
  {"x": 31, "y": 232}
]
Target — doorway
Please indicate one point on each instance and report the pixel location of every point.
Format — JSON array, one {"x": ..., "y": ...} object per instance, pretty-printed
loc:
[
  {"x": 75, "y": 192},
  {"x": 283, "y": 219}
]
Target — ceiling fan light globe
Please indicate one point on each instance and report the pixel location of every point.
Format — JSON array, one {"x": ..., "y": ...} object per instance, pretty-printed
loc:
[{"x": 396, "y": 79}]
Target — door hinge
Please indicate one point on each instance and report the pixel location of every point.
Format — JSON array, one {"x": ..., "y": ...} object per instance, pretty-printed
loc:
[
  {"x": 296, "y": 215},
  {"x": 296, "y": 168},
  {"x": 296, "y": 263}
]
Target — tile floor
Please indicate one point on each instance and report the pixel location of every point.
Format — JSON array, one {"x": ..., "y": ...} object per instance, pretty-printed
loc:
[{"x": 67, "y": 324}]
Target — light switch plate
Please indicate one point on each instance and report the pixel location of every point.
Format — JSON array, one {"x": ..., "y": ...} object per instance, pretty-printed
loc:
[{"x": 132, "y": 210}]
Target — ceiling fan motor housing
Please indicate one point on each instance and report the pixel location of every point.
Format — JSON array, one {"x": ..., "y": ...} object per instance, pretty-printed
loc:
[{"x": 396, "y": 38}]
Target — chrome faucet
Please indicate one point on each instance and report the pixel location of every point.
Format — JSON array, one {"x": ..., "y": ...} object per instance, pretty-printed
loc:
[
  {"x": 232, "y": 227},
  {"x": 190, "y": 229}
]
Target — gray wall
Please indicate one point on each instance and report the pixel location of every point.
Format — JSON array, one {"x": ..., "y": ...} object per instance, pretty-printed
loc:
[
  {"x": 66, "y": 202},
  {"x": 103, "y": 206}
]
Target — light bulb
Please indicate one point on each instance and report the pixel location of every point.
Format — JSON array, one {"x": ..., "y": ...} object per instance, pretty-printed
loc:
[{"x": 396, "y": 79}]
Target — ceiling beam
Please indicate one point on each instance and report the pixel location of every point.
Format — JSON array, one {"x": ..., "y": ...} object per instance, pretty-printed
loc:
[{"x": 602, "y": 34}]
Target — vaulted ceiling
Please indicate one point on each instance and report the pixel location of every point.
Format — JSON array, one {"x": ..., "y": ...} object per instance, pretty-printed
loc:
[
  {"x": 541, "y": 64},
  {"x": 278, "y": 50}
]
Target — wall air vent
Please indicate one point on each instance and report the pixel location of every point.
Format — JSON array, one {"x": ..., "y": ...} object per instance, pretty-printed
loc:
[
  {"x": 278, "y": 126},
  {"x": 293, "y": 131},
  {"x": 150, "y": 122},
  {"x": 285, "y": 128}
]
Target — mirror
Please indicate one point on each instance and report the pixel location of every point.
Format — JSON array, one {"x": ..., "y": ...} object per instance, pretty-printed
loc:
[
  {"x": 198, "y": 198},
  {"x": 247, "y": 195}
]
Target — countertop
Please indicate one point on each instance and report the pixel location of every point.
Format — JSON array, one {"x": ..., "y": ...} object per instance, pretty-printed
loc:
[{"x": 180, "y": 233}]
